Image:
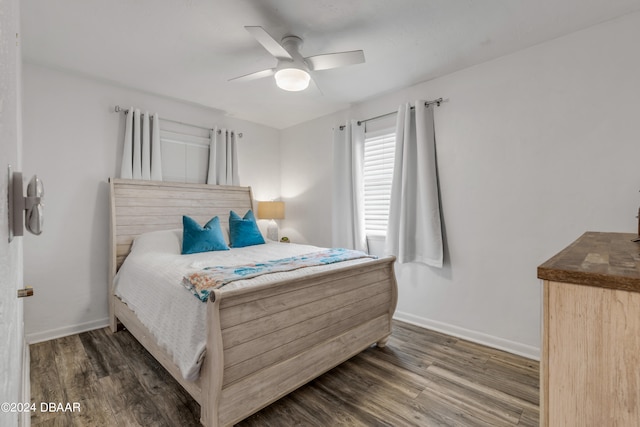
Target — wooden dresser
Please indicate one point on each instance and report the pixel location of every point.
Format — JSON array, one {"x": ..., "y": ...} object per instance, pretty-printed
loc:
[{"x": 590, "y": 363}]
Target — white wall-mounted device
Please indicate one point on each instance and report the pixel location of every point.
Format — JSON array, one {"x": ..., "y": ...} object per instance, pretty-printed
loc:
[{"x": 30, "y": 207}]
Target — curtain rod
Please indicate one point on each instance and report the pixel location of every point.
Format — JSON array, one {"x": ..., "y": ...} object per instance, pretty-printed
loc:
[
  {"x": 119, "y": 109},
  {"x": 426, "y": 104}
]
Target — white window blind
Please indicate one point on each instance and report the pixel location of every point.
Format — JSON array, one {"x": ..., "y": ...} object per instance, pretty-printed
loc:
[
  {"x": 379, "y": 152},
  {"x": 185, "y": 157}
]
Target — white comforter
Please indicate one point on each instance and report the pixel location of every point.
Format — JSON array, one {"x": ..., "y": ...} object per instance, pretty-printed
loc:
[{"x": 150, "y": 283}]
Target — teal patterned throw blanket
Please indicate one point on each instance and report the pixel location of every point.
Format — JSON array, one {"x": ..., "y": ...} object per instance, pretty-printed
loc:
[{"x": 203, "y": 282}]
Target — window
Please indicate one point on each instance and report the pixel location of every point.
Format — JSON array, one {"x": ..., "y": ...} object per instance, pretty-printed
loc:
[
  {"x": 185, "y": 156},
  {"x": 379, "y": 152}
]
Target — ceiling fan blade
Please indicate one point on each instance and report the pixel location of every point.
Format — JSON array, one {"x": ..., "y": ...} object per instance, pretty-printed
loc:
[
  {"x": 269, "y": 43},
  {"x": 254, "y": 76},
  {"x": 314, "y": 83},
  {"x": 334, "y": 60}
]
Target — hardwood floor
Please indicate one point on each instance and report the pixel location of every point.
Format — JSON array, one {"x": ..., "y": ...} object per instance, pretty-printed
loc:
[{"x": 422, "y": 378}]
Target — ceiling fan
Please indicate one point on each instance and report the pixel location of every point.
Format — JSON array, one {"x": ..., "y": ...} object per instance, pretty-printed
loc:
[{"x": 292, "y": 70}]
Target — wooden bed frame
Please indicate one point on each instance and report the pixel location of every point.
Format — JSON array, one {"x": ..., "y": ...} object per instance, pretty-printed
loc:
[{"x": 265, "y": 341}]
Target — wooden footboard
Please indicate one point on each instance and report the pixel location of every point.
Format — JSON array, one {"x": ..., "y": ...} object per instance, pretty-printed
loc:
[{"x": 282, "y": 336}]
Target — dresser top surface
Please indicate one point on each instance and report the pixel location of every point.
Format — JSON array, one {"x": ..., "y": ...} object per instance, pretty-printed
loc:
[{"x": 609, "y": 260}]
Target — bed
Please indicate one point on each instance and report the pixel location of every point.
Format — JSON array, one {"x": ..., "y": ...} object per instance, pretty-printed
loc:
[{"x": 262, "y": 341}]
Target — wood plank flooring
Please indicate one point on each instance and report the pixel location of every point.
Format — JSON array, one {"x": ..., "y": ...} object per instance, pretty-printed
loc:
[{"x": 422, "y": 378}]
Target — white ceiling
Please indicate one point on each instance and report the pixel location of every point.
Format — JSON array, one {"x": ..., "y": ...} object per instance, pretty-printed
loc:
[{"x": 189, "y": 49}]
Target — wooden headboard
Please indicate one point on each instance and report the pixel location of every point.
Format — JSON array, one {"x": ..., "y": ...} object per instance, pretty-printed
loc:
[{"x": 141, "y": 206}]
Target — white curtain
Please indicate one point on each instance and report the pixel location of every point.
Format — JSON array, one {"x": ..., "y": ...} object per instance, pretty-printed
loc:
[
  {"x": 126, "y": 169},
  {"x": 414, "y": 233},
  {"x": 348, "y": 199},
  {"x": 156, "y": 151},
  {"x": 146, "y": 147},
  {"x": 223, "y": 158},
  {"x": 141, "y": 155},
  {"x": 137, "y": 149}
]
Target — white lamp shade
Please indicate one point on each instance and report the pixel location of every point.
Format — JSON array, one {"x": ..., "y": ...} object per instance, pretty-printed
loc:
[{"x": 292, "y": 79}]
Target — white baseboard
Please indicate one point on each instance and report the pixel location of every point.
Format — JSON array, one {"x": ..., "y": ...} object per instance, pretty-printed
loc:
[
  {"x": 25, "y": 417},
  {"x": 52, "y": 334},
  {"x": 520, "y": 349}
]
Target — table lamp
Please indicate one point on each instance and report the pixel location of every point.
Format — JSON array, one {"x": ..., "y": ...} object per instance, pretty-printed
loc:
[{"x": 271, "y": 211}]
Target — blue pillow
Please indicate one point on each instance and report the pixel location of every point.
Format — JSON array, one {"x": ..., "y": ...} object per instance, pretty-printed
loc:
[
  {"x": 197, "y": 239},
  {"x": 244, "y": 231}
]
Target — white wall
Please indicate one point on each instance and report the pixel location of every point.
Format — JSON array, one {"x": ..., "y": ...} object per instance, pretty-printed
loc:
[
  {"x": 73, "y": 141},
  {"x": 533, "y": 149},
  {"x": 11, "y": 308}
]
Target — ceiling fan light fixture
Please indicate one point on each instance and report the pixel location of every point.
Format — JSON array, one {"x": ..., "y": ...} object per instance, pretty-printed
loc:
[{"x": 292, "y": 79}]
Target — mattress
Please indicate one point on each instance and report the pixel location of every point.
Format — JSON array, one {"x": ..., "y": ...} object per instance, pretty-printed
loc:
[{"x": 150, "y": 283}]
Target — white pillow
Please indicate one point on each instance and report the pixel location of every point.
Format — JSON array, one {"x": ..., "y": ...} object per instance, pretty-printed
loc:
[{"x": 163, "y": 241}]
